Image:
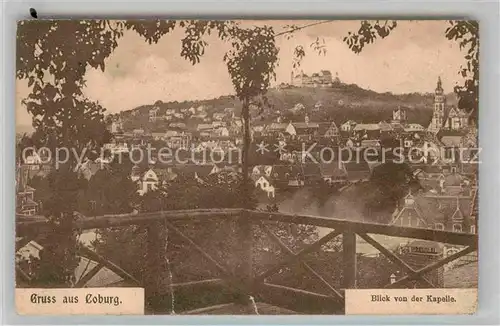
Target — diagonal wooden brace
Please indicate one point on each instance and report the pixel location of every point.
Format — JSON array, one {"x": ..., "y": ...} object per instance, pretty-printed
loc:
[
  {"x": 393, "y": 258},
  {"x": 291, "y": 259},
  {"x": 290, "y": 252},
  {"x": 433, "y": 266}
]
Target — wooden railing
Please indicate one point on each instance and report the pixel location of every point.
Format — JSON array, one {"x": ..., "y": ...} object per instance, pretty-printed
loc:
[{"x": 244, "y": 280}]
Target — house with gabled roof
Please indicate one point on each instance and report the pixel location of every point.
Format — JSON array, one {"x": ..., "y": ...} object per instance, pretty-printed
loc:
[
  {"x": 385, "y": 127},
  {"x": 303, "y": 130},
  {"x": 146, "y": 179},
  {"x": 440, "y": 212},
  {"x": 311, "y": 173},
  {"x": 410, "y": 215},
  {"x": 333, "y": 172},
  {"x": 357, "y": 171},
  {"x": 284, "y": 176},
  {"x": 264, "y": 183},
  {"x": 332, "y": 131},
  {"x": 348, "y": 126},
  {"x": 262, "y": 170},
  {"x": 198, "y": 171}
]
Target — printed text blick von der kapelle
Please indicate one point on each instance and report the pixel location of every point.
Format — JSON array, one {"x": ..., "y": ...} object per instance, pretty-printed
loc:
[{"x": 414, "y": 298}]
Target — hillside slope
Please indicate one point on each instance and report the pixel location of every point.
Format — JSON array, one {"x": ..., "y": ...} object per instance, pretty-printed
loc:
[{"x": 338, "y": 103}]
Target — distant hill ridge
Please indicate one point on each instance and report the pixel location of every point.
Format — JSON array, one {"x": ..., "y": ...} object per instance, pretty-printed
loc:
[{"x": 338, "y": 103}]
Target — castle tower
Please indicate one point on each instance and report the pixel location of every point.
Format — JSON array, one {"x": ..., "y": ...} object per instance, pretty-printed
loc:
[
  {"x": 337, "y": 79},
  {"x": 439, "y": 106}
]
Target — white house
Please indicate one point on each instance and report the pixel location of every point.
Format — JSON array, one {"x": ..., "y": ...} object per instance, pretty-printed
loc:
[
  {"x": 348, "y": 126},
  {"x": 116, "y": 126},
  {"x": 116, "y": 148},
  {"x": 147, "y": 181},
  {"x": 264, "y": 184},
  {"x": 153, "y": 114},
  {"x": 262, "y": 169},
  {"x": 221, "y": 132},
  {"x": 34, "y": 158},
  {"x": 158, "y": 135},
  {"x": 414, "y": 127},
  {"x": 290, "y": 129},
  {"x": 218, "y": 116}
]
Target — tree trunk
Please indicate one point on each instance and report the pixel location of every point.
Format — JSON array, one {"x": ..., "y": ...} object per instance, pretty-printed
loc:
[
  {"x": 246, "y": 148},
  {"x": 244, "y": 256}
]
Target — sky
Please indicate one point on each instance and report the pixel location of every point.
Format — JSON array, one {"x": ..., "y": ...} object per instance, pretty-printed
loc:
[{"x": 408, "y": 60}]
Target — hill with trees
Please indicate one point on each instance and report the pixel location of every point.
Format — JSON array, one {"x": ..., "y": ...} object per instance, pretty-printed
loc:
[{"x": 339, "y": 103}]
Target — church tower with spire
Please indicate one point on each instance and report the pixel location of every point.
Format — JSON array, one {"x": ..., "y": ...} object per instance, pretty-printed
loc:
[{"x": 439, "y": 108}]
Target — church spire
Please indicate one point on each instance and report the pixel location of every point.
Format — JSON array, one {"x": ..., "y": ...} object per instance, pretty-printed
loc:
[{"x": 439, "y": 86}]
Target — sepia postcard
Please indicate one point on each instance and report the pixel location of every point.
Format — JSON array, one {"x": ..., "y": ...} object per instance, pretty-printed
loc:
[{"x": 250, "y": 167}]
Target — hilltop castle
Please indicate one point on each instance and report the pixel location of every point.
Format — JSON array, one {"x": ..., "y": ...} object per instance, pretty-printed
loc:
[
  {"x": 318, "y": 79},
  {"x": 447, "y": 118}
]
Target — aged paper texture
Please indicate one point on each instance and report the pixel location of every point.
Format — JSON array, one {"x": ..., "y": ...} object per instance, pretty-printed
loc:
[
  {"x": 246, "y": 167},
  {"x": 411, "y": 301},
  {"x": 94, "y": 301}
]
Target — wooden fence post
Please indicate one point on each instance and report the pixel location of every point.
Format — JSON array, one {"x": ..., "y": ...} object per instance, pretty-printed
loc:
[
  {"x": 245, "y": 259},
  {"x": 158, "y": 296},
  {"x": 349, "y": 260}
]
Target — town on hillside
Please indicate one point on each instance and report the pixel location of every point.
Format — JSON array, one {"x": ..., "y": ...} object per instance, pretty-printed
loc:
[
  {"x": 378, "y": 188},
  {"x": 446, "y": 199}
]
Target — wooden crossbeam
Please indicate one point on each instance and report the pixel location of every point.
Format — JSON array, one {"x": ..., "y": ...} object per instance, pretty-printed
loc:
[
  {"x": 214, "y": 281},
  {"x": 304, "y": 264},
  {"x": 291, "y": 259},
  {"x": 433, "y": 266},
  {"x": 299, "y": 300},
  {"x": 87, "y": 277},
  {"x": 40, "y": 226},
  {"x": 393, "y": 258},
  {"x": 455, "y": 238},
  {"x": 206, "y": 310},
  {"x": 212, "y": 260},
  {"x": 297, "y": 291},
  {"x": 230, "y": 280},
  {"x": 86, "y": 252}
]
